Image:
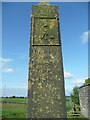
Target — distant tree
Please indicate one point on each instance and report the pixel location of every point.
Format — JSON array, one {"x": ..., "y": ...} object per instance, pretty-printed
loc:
[
  {"x": 75, "y": 96},
  {"x": 13, "y": 97},
  {"x": 21, "y": 97}
]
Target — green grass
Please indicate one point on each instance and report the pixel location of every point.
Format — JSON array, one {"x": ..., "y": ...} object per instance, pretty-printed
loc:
[
  {"x": 17, "y": 100},
  {"x": 14, "y": 110},
  {"x": 10, "y": 110}
]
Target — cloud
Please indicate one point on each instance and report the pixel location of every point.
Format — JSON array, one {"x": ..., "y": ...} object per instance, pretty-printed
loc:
[
  {"x": 5, "y": 60},
  {"x": 23, "y": 83},
  {"x": 8, "y": 70},
  {"x": 1, "y": 65},
  {"x": 68, "y": 90},
  {"x": 68, "y": 75},
  {"x": 85, "y": 37},
  {"x": 79, "y": 81}
]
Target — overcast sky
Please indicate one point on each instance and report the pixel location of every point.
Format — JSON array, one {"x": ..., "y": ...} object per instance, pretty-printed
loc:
[{"x": 16, "y": 38}]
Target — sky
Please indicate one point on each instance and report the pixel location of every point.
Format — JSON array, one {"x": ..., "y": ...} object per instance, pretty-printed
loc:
[{"x": 16, "y": 21}]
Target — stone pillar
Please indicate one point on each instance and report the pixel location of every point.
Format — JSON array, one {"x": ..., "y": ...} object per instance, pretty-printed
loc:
[
  {"x": 46, "y": 93},
  {"x": 84, "y": 96}
]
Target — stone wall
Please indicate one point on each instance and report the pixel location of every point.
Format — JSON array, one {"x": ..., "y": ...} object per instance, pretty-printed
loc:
[{"x": 84, "y": 96}]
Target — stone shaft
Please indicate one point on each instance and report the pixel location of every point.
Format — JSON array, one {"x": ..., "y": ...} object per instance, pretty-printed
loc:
[{"x": 46, "y": 94}]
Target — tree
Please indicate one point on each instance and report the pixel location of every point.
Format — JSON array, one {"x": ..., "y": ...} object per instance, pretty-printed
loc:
[
  {"x": 87, "y": 81},
  {"x": 75, "y": 96},
  {"x": 13, "y": 97}
]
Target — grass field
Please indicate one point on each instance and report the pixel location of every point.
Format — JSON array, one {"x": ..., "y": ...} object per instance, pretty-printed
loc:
[
  {"x": 17, "y": 108},
  {"x": 16, "y": 100},
  {"x": 11, "y": 110}
]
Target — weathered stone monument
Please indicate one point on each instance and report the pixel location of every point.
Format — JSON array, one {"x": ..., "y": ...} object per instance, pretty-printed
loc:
[
  {"x": 46, "y": 94},
  {"x": 84, "y": 96}
]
